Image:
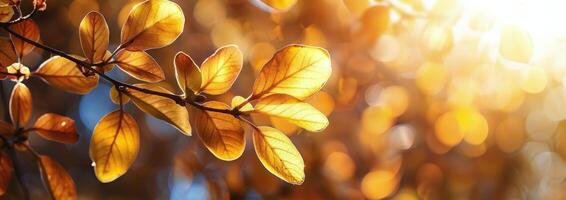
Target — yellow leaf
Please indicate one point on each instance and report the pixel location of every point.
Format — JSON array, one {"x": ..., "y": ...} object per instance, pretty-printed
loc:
[
  {"x": 238, "y": 100},
  {"x": 6, "y": 169},
  {"x": 296, "y": 70},
  {"x": 278, "y": 155},
  {"x": 27, "y": 28},
  {"x": 94, "y": 36},
  {"x": 20, "y": 105},
  {"x": 6, "y": 13},
  {"x": 516, "y": 44},
  {"x": 292, "y": 109},
  {"x": 65, "y": 75},
  {"x": 7, "y": 52},
  {"x": 220, "y": 70},
  {"x": 161, "y": 107},
  {"x": 280, "y": 5},
  {"x": 140, "y": 65},
  {"x": 57, "y": 180},
  {"x": 56, "y": 128},
  {"x": 114, "y": 145},
  {"x": 152, "y": 24},
  {"x": 115, "y": 97},
  {"x": 187, "y": 73},
  {"x": 221, "y": 133}
]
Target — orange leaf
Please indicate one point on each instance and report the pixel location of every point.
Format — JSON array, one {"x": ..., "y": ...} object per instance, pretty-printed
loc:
[
  {"x": 56, "y": 128},
  {"x": 6, "y": 13},
  {"x": 7, "y": 52},
  {"x": 118, "y": 98},
  {"x": 20, "y": 105},
  {"x": 65, "y": 75},
  {"x": 140, "y": 65},
  {"x": 94, "y": 36},
  {"x": 6, "y": 169},
  {"x": 27, "y": 28},
  {"x": 57, "y": 180},
  {"x": 220, "y": 70},
  {"x": 187, "y": 73}
]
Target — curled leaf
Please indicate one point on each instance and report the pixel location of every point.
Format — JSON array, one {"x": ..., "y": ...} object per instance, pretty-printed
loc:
[
  {"x": 278, "y": 155},
  {"x": 152, "y": 24},
  {"x": 115, "y": 97},
  {"x": 65, "y": 75},
  {"x": 296, "y": 70},
  {"x": 187, "y": 73},
  {"x": 221, "y": 133},
  {"x": 56, "y": 128},
  {"x": 26, "y": 28},
  {"x": 114, "y": 145},
  {"x": 238, "y": 101},
  {"x": 220, "y": 70},
  {"x": 94, "y": 36},
  {"x": 6, "y": 170},
  {"x": 161, "y": 107},
  {"x": 140, "y": 65},
  {"x": 57, "y": 180},
  {"x": 292, "y": 109},
  {"x": 20, "y": 105}
]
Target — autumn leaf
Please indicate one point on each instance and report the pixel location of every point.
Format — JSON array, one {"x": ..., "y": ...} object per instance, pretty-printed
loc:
[
  {"x": 238, "y": 101},
  {"x": 7, "y": 52},
  {"x": 140, "y": 65},
  {"x": 57, "y": 180},
  {"x": 94, "y": 36},
  {"x": 9, "y": 2},
  {"x": 516, "y": 44},
  {"x": 280, "y": 5},
  {"x": 152, "y": 24},
  {"x": 56, "y": 128},
  {"x": 292, "y": 109},
  {"x": 6, "y": 170},
  {"x": 161, "y": 107},
  {"x": 187, "y": 73},
  {"x": 296, "y": 70},
  {"x": 114, "y": 145},
  {"x": 115, "y": 97},
  {"x": 20, "y": 105},
  {"x": 65, "y": 75},
  {"x": 6, "y": 128},
  {"x": 278, "y": 155},
  {"x": 220, "y": 70},
  {"x": 26, "y": 28},
  {"x": 221, "y": 133},
  {"x": 6, "y": 13}
]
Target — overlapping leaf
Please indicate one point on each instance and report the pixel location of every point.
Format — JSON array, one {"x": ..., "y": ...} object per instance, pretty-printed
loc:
[
  {"x": 117, "y": 98},
  {"x": 65, "y": 75},
  {"x": 237, "y": 101},
  {"x": 26, "y": 28},
  {"x": 187, "y": 73},
  {"x": 161, "y": 107},
  {"x": 278, "y": 155},
  {"x": 292, "y": 109},
  {"x": 57, "y": 180},
  {"x": 20, "y": 105},
  {"x": 152, "y": 24},
  {"x": 6, "y": 170},
  {"x": 221, "y": 133},
  {"x": 296, "y": 70},
  {"x": 114, "y": 145},
  {"x": 220, "y": 70},
  {"x": 140, "y": 65},
  {"x": 56, "y": 128},
  {"x": 94, "y": 36}
]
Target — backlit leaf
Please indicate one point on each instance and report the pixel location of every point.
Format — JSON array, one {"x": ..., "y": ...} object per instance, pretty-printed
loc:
[
  {"x": 220, "y": 70},
  {"x": 114, "y": 145},
  {"x": 57, "y": 180},
  {"x": 278, "y": 155},
  {"x": 6, "y": 170},
  {"x": 221, "y": 133},
  {"x": 6, "y": 13},
  {"x": 292, "y": 109},
  {"x": 94, "y": 36},
  {"x": 65, "y": 75},
  {"x": 20, "y": 105},
  {"x": 238, "y": 100},
  {"x": 280, "y": 5},
  {"x": 27, "y": 28},
  {"x": 516, "y": 44},
  {"x": 140, "y": 65},
  {"x": 7, "y": 52},
  {"x": 296, "y": 70},
  {"x": 115, "y": 97},
  {"x": 56, "y": 128},
  {"x": 152, "y": 24},
  {"x": 187, "y": 73},
  {"x": 161, "y": 107}
]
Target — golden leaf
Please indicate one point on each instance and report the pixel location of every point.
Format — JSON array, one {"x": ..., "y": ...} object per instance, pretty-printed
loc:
[
  {"x": 161, "y": 107},
  {"x": 6, "y": 128},
  {"x": 114, "y": 145},
  {"x": 238, "y": 100},
  {"x": 140, "y": 65},
  {"x": 292, "y": 109},
  {"x": 65, "y": 75},
  {"x": 280, "y": 5},
  {"x": 6, "y": 13},
  {"x": 6, "y": 169},
  {"x": 187, "y": 73},
  {"x": 7, "y": 52},
  {"x": 26, "y": 28},
  {"x": 115, "y": 97},
  {"x": 221, "y": 133},
  {"x": 94, "y": 36},
  {"x": 56, "y": 128},
  {"x": 296, "y": 70},
  {"x": 220, "y": 70},
  {"x": 7, "y": 3},
  {"x": 516, "y": 44},
  {"x": 57, "y": 180},
  {"x": 278, "y": 155},
  {"x": 20, "y": 105},
  {"x": 152, "y": 24}
]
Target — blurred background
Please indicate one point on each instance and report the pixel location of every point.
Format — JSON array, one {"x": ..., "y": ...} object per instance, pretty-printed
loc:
[{"x": 429, "y": 99}]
